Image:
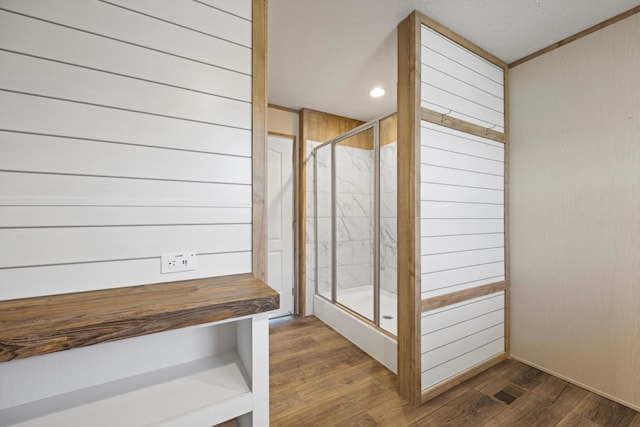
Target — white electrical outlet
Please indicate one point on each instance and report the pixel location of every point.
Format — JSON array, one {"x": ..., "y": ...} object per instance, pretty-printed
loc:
[{"x": 173, "y": 263}]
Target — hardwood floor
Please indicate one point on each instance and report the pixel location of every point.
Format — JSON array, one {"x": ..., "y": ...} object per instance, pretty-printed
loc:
[{"x": 318, "y": 378}]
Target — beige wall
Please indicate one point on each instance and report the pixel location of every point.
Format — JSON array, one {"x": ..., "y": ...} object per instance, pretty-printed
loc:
[
  {"x": 575, "y": 211},
  {"x": 282, "y": 121}
]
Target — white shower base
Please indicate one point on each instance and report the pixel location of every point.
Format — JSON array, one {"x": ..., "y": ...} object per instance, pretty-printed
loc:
[
  {"x": 360, "y": 300},
  {"x": 374, "y": 342}
]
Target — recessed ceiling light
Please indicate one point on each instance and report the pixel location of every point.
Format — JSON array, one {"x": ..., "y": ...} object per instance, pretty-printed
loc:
[{"x": 377, "y": 92}]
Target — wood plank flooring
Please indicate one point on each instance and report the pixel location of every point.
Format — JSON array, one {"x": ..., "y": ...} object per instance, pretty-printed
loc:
[{"x": 318, "y": 378}]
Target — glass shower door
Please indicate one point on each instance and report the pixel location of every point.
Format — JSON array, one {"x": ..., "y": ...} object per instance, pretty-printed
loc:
[
  {"x": 354, "y": 222},
  {"x": 323, "y": 218}
]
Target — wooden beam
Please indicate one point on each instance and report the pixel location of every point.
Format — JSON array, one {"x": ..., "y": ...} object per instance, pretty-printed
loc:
[
  {"x": 409, "y": 69},
  {"x": 577, "y": 36},
  {"x": 259, "y": 140},
  {"x": 461, "y": 125},
  {"x": 459, "y": 296},
  {"x": 41, "y": 325}
]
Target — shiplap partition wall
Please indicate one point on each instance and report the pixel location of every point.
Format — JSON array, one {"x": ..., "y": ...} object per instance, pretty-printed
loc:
[
  {"x": 123, "y": 142},
  {"x": 452, "y": 155}
]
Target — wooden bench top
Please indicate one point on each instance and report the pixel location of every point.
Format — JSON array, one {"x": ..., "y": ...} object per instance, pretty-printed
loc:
[{"x": 34, "y": 326}]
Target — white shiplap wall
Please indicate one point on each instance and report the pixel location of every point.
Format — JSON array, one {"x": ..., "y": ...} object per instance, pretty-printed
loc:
[
  {"x": 125, "y": 133},
  {"x": 462, "y": 210},
  {"x": 462, "y": 247},
  {"x": 458, "y": 82},
  {"x": 460, "y": 336}
]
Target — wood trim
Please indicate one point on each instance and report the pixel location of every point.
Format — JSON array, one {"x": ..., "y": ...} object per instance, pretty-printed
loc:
[
  {"x": 461, "y": 125},
  {"x": 409, "y": 69},
  {"x": 362, "y": 140},
  {"x": 459, "y": 379},
  {"x": 436, "y": 26},
  {"x": 282, "y": 135},
  {"x": 259, "y": 139},
  {"x": 459, "y": 296},
  {"x": 577, "y": 36},
  {"x": 389, "y": 130},
  {"x": 301, "y": 260},
  {"x": 316, "y": 126},
  {"x": 41, "y": 325},
  {"x": 507, "y": 259},
  {"x": 288, "y": 110}
]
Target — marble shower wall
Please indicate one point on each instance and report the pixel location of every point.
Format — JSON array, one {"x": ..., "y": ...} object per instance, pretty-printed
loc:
[
  {"x": 354, "y": 217},
  {"x": 388, "y": 218}
]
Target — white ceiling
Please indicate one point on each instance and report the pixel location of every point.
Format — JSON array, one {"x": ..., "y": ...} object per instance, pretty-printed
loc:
[{"x": 327, "y": 54}]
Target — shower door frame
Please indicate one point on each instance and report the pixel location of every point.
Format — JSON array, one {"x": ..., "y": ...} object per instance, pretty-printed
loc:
[{"x": 375, "y": 125}]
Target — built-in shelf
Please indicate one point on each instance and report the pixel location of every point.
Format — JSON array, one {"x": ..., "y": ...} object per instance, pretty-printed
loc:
[
  {"x": 34, "y": 326},
  {"x": 203, "y": 392},
  {"x": 43, "y": 386}
]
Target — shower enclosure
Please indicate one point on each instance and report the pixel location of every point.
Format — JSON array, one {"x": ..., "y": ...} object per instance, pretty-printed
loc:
[{"x": 355, "y": 223}]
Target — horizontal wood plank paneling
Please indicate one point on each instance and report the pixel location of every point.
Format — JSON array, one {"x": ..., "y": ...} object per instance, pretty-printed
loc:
[
  {"x": 194, "y": 16},
  {"x": 460, "y": 330},
  {"x": 46, "y": 189},
  {"x": 434, "y": 62},
  {"x": 456, "y": 366},
  {"x": 475, "y": 95},
  {"x": 432, "y": 39},
  {"x": 43, "y": 246},
  {"x": 440, "y": 318},
  {"x": 446, "y": 244},
  {"x": 458, "y": 193},
  {"x": 444, "y": 210},
  {"x": 35, "y": 114},
  {"x": 448, "y": 103},
  {"x": 450, "y": 261},
  {"x": 459, "y": 83},
  {"x": 465, "y": 162},
  {"x": 66, "y": 278},
  {"x": 24, "y": 74},
  {"x": 59, "y": 155},
  {"x": 461, "y": 278},
  {"x": 460, "y": 336},
  {"x": 453, "y": 176},
  {"x": 462, "y": 246},
  {"x": 240, "y": 9},
  {"x": 459, "y": 227},
  {"x": 123, "y": 142},
  {"x": 63, "y": 44},
  {"x": 461, "y": 142},
  {"x": 97, "y": 18},
  {"x": 88, "y": 216}
]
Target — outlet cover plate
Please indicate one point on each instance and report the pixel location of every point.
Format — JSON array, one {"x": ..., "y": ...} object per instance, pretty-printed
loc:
[{"x": 174, "y": 263}]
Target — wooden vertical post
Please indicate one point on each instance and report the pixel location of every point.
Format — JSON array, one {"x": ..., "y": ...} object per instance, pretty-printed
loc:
[
  {"x": 259, "y": 139},
  {"x": 409, "y": 208}
]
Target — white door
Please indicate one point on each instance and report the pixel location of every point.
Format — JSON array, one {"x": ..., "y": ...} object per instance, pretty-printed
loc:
[{"x": 280, "y": 219}]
